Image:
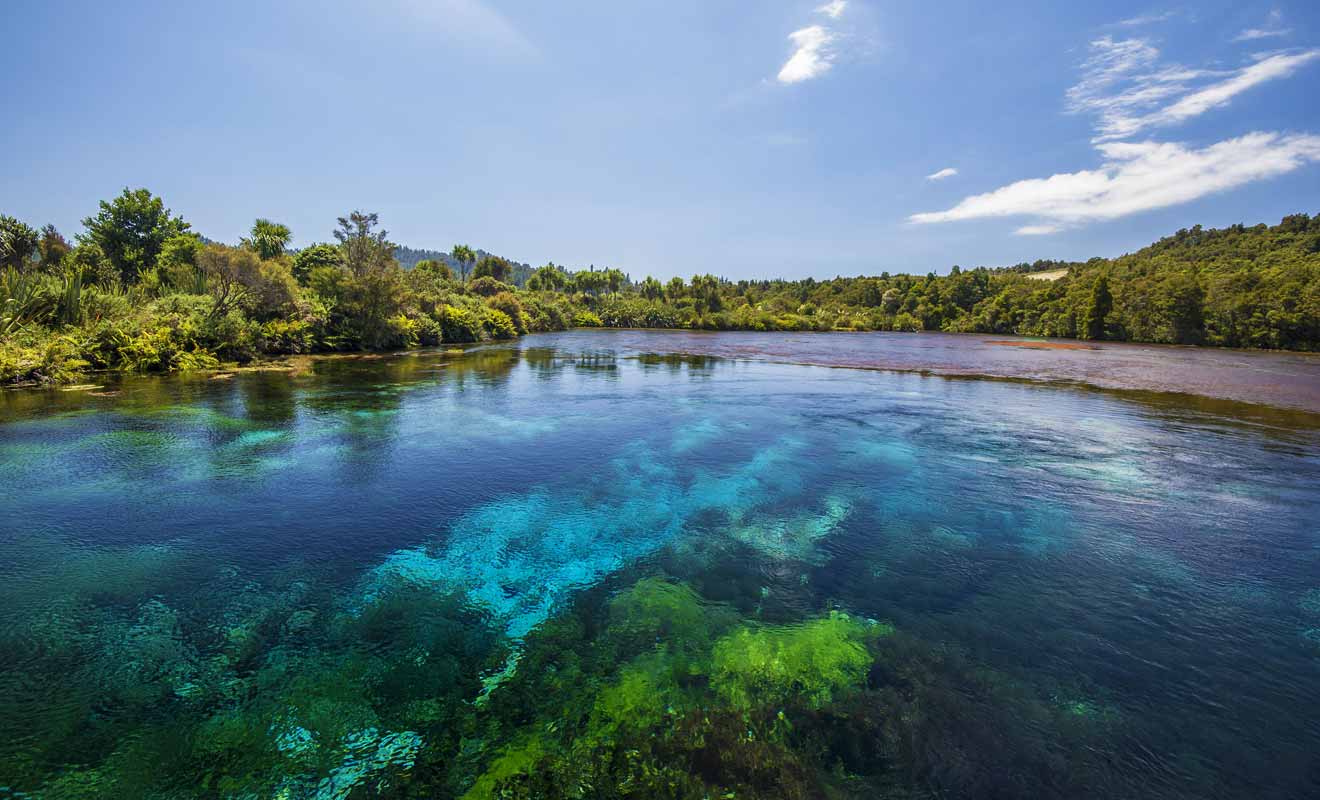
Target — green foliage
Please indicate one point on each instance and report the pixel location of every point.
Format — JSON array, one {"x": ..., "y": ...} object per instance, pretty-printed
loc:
[
  {"x": 68, "y": 308},
  {"x": 131, "y": 231},
  {"x": 487, "y": 286},
  {"x": 547, "y": 279},
  {"x": 365, "y": 249},
  {"x": 434, "y": 272},
  {"x": 493, "y": 267},
  {"x": 459, "y": 324},
  {"x": 268, "y": 239},
  {"x": 37, "y": 356},
  {"x": 25, "y": 298},
  {"x": 308, "y": 259},
  {"x": 465, "y": 257},
  {"x": 806, "y": 663},
  {"x": 17, "y": 243},
  {"x": 508, "y": 303},
  {"x": 52, "y": 249},
  {"x": 107, "y": 300},
  {"x": 498, "y": 325},
  {"x": 177, "y": 266},
  {"x": 1097, "y": 314}
]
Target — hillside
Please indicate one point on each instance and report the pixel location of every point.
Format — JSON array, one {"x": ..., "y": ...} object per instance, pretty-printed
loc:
[{"x": 409, "y": 257}]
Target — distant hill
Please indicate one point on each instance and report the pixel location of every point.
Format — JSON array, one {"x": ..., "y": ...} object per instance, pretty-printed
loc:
[{"x": 409, "y": 257}]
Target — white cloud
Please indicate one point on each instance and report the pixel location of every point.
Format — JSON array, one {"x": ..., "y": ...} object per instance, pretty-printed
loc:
[
  {"x": 833, "y": 9},
  {"x": 812, "y": 56},
  {"x": 1273, "y": 27},
  {"x": 947, "y": 172},
  {"x": 1037, "y": 230},
  {"x": 1147, "y": 19},
  {"x": 1130, "y": 89},
  {"x": 1136, "y": 177},
  {"x": 1279, "y": 65}
]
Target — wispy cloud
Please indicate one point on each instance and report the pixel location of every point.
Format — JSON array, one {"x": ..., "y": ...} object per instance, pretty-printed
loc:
[
  {"x": 1136, "y": 177},
  {"x": 833, "y": 9},
  {"x": 1130, "y": 89},
  {"x": 947, "y": 172},
  {"x": 811, "y": 57},
  {"x": 1147, "y": 19},
  {"x": 1273, "y": 27},
  {"x": 813, "y": 47}
]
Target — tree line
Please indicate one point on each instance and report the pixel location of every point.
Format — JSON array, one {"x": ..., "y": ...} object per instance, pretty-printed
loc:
[{"x": 139, "y": 289}]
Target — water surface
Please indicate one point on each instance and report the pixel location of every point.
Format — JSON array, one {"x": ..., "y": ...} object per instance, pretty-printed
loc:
[{"x": 613, "y": 564}]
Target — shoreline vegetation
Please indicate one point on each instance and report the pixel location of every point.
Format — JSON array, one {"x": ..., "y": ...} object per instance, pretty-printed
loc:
[{"x": 139, "y": 291}]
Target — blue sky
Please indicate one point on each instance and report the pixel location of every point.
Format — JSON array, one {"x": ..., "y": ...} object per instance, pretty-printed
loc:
[{"x": 675, "y": 136}]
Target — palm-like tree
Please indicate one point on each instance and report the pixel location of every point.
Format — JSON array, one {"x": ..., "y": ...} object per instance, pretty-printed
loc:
[
  {"x": 269, "y": 239},
  {"x": 465, "y": 256}
]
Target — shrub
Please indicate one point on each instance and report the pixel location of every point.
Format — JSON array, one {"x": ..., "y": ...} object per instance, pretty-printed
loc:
[
  {"x": 508, "y": 303},
  {"x": 586, "y": 319},
  {"x": 458, "y": 324},
  {"x": 498, "y": 325},
  {"x": 40, "y": 358},
  {"x": 488, "y": 287},
  {"x": 290, "y": 336},
  {"x": 907, "y": 322}
]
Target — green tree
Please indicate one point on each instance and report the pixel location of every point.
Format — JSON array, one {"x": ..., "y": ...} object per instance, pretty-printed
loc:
[
  {"x": 131, "y": 230},
  {"x": 434, "y": 271},
  {"x": 651, "y": 289},
  {"x": 493, "y": 267},
  {"x": 1183, "y": 300},
  {"x": 18, "y": 242},
  {"x": 52, "y": 249},
  {"x": 268, "y": 239},
  {"x": 465, "y": 257},
  {"x": 310, "y": 258},
  {"x": 547, "y": 279},
  {"x": 1097, "y": 313},
  {"x": 231, "y": 274},
  {"x": 365, "y": 249},
  {"x": 178, "y": 266}
]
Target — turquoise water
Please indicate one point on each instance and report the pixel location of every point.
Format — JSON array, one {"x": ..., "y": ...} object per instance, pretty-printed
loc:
[{"x": 587, "y": 566}]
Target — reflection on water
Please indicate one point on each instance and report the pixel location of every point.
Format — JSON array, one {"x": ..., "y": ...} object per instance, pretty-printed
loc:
[{"x": 598, "y": 566}]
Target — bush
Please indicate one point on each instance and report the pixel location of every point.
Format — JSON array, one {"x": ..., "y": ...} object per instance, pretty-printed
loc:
[
  {"x": 586, "y": 319},
  {"x": 498, "y": 325},
  {"x": 38, "y": 357},
  {"x": 288, "y": 336},
  {"x": 458, "y": 324},
  {"x": 508, "y": 303},
  {"x": 907, "y": 322},
  {"x": 488, "y": 287}
]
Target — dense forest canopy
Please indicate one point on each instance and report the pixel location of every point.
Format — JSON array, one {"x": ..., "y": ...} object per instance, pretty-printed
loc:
[{"x": 138, "y": 289}]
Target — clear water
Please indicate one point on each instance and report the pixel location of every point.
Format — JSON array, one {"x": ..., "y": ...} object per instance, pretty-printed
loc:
[{"x": 586, "y": 566}]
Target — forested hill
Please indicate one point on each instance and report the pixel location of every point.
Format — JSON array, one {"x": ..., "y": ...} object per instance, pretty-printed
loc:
[
  {"x": 409, "y": 257},
  {"x": 1239, "y": 286}
]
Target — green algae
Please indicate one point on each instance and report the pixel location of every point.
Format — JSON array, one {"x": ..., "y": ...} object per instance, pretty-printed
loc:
[
  {"x": 807, "y": 663},
  {"x": 516, "y": 760}
]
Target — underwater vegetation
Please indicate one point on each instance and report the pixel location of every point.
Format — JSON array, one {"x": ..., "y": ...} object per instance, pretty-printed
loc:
[{"x": 497, "y": 574}]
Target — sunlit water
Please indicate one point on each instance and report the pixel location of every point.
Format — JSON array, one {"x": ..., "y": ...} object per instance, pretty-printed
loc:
[{"x": 586, "y": 566}]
